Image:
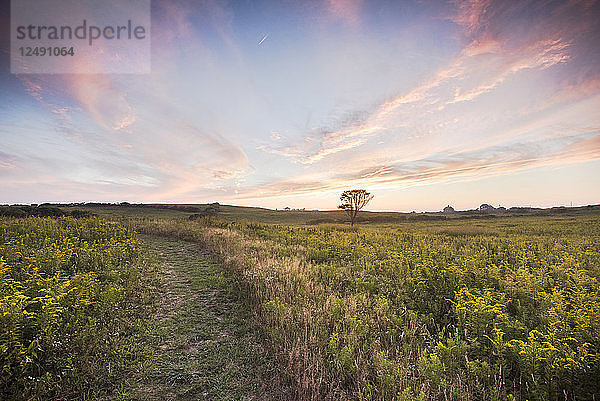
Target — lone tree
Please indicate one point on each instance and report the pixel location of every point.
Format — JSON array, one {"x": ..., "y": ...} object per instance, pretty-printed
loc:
[{"x": 354, "y": 200}]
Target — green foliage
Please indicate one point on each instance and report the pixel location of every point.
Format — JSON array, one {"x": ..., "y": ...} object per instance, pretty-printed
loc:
[
  {"x": 65, "y": 305},
  {"x": 41, "y": 211}
]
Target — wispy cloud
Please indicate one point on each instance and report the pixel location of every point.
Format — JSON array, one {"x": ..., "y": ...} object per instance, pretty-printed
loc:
[
  {"x": 493, "y": 161},
  {"x": 489, "y": 58},
  {"x": 7, "y": 161},
  {"x": 471, "y": 15},
  {"x": 345, "y": 10},
  {"x": 160, "y": 154},
  {"x": 103, "y": 101},
  {"x": 542, "y": 55}
]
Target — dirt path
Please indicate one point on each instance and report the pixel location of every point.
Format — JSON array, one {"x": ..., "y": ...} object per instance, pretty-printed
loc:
[{"x": 205, "y": 340}]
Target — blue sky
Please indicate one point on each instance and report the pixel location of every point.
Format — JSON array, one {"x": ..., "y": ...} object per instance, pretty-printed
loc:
[{"x": 289, "y": 103}]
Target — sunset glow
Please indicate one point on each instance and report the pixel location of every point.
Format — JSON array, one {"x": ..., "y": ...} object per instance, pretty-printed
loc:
[{"x": 279, "y": 104}]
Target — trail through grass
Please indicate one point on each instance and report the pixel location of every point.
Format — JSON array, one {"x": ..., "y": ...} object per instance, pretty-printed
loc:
[{"x": 207, "y": 342}]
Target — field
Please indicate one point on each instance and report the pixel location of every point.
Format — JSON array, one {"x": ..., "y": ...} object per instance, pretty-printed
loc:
[
  {"x": 498, "y": 308},
  {"x": 495, "y": 309},
  {"x": 68, "y": 323}
]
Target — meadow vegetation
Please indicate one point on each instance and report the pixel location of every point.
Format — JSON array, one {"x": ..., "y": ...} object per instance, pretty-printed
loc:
[
  {"x": 498, "y": 309},
  {"x": 71, "y": 305},
  {"x": 503, "y": 308}
]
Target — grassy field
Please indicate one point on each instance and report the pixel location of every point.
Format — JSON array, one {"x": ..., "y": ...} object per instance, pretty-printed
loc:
[
  {"x": 71, "y": 307},
  {"x": 503, "y": 308},
  {"x": 89, "y": 310},
  {"x": 466, "y": 308}
]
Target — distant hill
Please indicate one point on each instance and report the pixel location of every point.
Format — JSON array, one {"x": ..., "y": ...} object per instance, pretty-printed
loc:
[{"x": 263, "y": 215}]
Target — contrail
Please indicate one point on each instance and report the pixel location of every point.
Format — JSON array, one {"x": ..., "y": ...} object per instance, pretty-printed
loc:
[{"x": 263, "y": 39}]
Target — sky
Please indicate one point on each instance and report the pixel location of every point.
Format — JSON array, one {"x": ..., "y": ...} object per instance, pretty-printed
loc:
[{"x": 288, "y": 103}]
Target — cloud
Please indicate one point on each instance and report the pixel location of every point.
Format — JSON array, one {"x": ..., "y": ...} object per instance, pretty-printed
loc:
[
  {"x": 492, "y": 54},
  {"x": 100, "y": 139},
  {"x": 104, "y": 102},
  {"x": 542, "y": 55},
  {"x": 584, "y": 88},
  {"x": 7, "y": 161},
  {"x": 492, "y": 161},
  {"x": 96, "y": 94},
  {"x": 34, "y": 89},
  {"x": 443, "y": 128},
  {"x": 347, "y": 11},
  {"x": 327, "y": 149},
  {"x": 471, "y": 15},
  {"x": 347, "y": 134},
  {"x": 180, "y": 26}
]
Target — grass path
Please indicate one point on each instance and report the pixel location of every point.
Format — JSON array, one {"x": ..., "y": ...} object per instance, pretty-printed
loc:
[{"x": 205, "y": 340}]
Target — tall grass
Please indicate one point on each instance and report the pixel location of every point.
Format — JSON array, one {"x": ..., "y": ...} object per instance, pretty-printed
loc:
[
  {"x": 511, "y": 312},
  {"x": 67, "y": 291}
]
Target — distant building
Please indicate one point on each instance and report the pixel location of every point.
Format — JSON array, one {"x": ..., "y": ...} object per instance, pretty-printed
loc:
[
  {"x": 287, "y": 208},
  {"x": 449, "y": 209}
]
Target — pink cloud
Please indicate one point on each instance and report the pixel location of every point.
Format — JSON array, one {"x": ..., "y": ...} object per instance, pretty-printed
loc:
[
  {"x": 345, "y": 10},
  {"x": 495, "y": 160},
  {"x": 470, "y": 14},
  {"x": 103, "y": 101},
  {"x": 491, "y": 56},
  {"x": 543, "y": 54}
]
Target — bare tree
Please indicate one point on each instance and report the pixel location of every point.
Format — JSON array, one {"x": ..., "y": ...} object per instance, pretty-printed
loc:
[{"x": 354, "y": 200}]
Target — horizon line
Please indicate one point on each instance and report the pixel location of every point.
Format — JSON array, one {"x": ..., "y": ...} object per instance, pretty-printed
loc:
[{"x": 507, "y": 208}]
